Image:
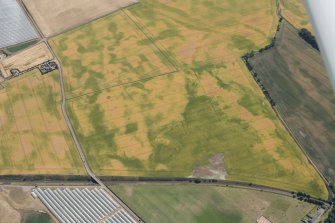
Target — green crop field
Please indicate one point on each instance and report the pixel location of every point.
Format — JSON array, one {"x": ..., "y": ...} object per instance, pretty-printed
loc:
[
  {"x": 159, "y": 89},
  {"x": 182, "y": 203}
]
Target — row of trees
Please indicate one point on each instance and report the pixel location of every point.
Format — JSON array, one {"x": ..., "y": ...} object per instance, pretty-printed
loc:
[
  {"x": 331, "y": 216},
  {"x": 249, "y": 55},
  {"x": 307, "y": 198},
  {"x": 273, "y": 40},
  {"x": 257, "y": 79},
  {"x": 43, "y": 178}
]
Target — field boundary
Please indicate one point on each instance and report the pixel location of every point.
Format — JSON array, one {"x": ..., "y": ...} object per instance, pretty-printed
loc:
[
  {"x": 119, "y": 85},
  {"x": 39, "y": 177},
  {"x": 148, "y": 36}
]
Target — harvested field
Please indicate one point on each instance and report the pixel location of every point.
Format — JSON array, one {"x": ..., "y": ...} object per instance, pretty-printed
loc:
[
  {"x": 296, "y": 78},
  {"x": 295, "y": 12},
  {"x": 185, "y": 203},
  {"x": 141, "y": 116},
  {"x": 54, "y": 17},
  {"x": 26, "y": 59},
  {"x": 34, "y": 137},
  {"x": 17, "y": 205}
]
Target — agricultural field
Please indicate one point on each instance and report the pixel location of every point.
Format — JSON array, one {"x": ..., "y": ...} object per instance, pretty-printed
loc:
[
  {"x": 34, "y": 138},
  {"x": 162, "y": 91},
  {"x": 26, "y": 59},
  {"x": 65, "y": 14},
  {"x": 185, "y": 203},
  {"x": 106, "y": 54},
  {"x": 296, "y": 78},
  {"x": 296, "y": 13}
]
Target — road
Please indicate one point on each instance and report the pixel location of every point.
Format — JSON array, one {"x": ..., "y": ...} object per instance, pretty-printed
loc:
[{"x": 218, "y": 183}]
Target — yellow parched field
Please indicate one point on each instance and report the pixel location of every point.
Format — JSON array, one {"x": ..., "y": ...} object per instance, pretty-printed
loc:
[
  {"x": 34, "y": 138},
  {"x": 107, "y": 53},
  {"x": 296, "y": 13},
  {"x": 159, "y": 89}
]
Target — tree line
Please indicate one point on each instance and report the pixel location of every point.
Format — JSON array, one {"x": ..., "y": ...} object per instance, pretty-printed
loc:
[
  {"x": 249, "y": 55},
  {"x": 257, "y": 79},
  {"x": 309, "y": 38}
]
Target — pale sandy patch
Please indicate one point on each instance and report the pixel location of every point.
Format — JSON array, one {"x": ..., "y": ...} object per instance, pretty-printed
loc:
[{"x": 69, "y": 14}]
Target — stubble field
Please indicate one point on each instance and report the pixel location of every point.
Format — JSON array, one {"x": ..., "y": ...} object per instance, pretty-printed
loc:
[
  {"x": 55, "y": 17},
  {"x": 164, "y": 90}
]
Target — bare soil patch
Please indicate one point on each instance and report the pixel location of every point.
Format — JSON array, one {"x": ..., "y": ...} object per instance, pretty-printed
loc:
[{"x": 215, "y": 169}]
